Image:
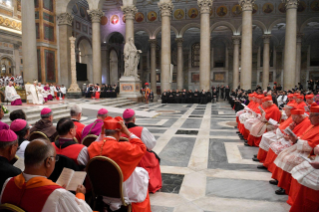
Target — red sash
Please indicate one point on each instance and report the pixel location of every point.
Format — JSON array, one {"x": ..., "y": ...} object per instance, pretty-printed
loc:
[{"x": 71, "y": 151}]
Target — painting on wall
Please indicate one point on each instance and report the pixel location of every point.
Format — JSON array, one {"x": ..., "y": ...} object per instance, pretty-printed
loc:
[
  {"x": 152, "y": 16},
  {"x": 139, "y": 17},
  {"x": 219, "y": 77},
  {"x": 236, "y": 10},
  {"x": 103, "y": 20},
  {"x": 193, "y": 13},
  {"x": 158, "y": 77},
  {"x": 114, "y": 19},
  {"x": 255, "y": 8},
  {"x": 282, "y": 8},
  {"x": 123, "y": 19},
  {"x": 49, "y": 65},
  {"x": 268, "y": 8},
  {"x": 315, "y": 5},
  {"x": 221, "y": 11},
  {"x": 179, "y": 14},
  {"x": 19, "y": 5},
  {"x": 301, "y": 7},
  {"x": 195, "y": 77}
]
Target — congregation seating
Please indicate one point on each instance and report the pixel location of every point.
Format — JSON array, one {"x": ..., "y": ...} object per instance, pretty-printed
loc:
[
  {"x": 10, "y": 208},
  {"x": 89, "y": 139},
  {"x": 38, "y": 134},
  {"x": 108, "y": 183}
]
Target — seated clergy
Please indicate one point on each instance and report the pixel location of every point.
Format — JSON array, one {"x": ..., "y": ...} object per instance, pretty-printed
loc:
[
  {"x": 40, "y": 92},
  {"x": 95, "y": 127},
  {"x": 11, "y": 94},
  {"x": 66, "y": 145},
  {"x": 45, "y": 124},
  {"x": 22, "y": 129},
  {"x": 270, "y": 111},
  {"x": 32, "y": 95},
  {"x": 298, "y": 126},
  {"x": 150, "y": 161},
  {"x": 274, "y": 135},
  {"x": 8, "y": 148},
  {"x": 32, "y": 191},
  {"x": 76, "y": 114},
  {"x": 2, "y": 112},
  {"x": 304, "y": 191},
  {"x": 127, "y": 155},
  {"x": 290, "y": 157}
]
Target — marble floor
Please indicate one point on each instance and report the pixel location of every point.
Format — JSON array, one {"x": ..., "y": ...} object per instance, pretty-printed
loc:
[{"x": 205, "y": 166}]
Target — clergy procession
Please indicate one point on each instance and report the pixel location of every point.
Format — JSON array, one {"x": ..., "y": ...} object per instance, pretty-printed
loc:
[
  {"x": 128, "y": 145},
  {"x": 288, "y": 140}
]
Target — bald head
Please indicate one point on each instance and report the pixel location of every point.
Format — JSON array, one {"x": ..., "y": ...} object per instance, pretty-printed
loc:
[{"x": 37, "y": 152}]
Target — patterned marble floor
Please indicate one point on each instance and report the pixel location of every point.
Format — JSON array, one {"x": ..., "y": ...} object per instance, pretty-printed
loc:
[{"x": 205, "y": 166}]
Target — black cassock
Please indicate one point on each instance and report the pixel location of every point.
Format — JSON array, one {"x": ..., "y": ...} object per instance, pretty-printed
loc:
[
  {"x": 177, "y": 97},
  {"x": 164, "y": 97},
  {"x": 196, "y": 97},
  {"x": 214, "y": 97},
  {"x": 203, "y": 99},
  {"x": 170, "y": 97},
  {"x": 184, "y": 97},
  {"x": 208, "y": 96},
  {"x": 190, "y": 97},
  {"x": 7, "y": 170}
]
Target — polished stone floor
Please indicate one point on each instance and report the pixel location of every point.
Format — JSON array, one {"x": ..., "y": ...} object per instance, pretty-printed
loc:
[{"x": 205, "y": 166}]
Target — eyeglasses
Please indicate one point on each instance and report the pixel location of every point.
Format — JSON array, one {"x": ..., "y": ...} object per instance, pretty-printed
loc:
[{"x": 55, "y": 157}]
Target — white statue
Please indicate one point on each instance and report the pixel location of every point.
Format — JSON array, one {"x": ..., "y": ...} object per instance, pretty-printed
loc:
[{"x": 131, "y": 58}]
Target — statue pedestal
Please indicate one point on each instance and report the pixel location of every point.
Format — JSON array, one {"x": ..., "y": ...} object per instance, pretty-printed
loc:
[{"x": 130, "y": 88}]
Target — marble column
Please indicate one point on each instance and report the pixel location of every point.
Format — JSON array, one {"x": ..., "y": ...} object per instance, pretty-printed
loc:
[
  {"x": 212, "y": 58},
  {"x": 153, "y": 44},
  {"x": 226, "y": 58},
  {"x": 96, "y": 44},
  {"x": 246, "y": 44},
  {"x": 17, "y": 59},
  {"x": 236, "y": 42},
  {"x": 74, "y": 85},
  {"x": 29, "y": 43},
  {"x": 180, "y": 67},
  {"x": 298, "y": 57},
  {"x": 65, "y": 21},
  {"x": 166, "y": 9},
  {"x": 105, "y": 64},
  {"x": 129, "y": 12},
  {"x": 266, "y": 61},
  {"x": 290, "y": 44},
  {"x": 204, "y": 65}
]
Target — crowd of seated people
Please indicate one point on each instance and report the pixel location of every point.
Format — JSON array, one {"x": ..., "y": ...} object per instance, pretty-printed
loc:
[
  {"x": 96, "y": 91},
  {"x": 120, "y": 139},
  {"x": 199, "y": 97},
  {"x": 284, "y": 126}
]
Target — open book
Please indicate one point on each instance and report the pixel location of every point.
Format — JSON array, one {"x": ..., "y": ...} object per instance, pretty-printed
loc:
[
  {"x": 305, "y": 158},
  {"x": 19, "y": 164},
  {"x": 290, "y": 132},
  {"x": 273, "y": 122},
  {"x": 71, "y": 179}
]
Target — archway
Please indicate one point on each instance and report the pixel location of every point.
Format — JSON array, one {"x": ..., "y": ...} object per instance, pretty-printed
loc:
[
  {"x": 85, "y": 57},
  {"x": 114, "y": 72}
]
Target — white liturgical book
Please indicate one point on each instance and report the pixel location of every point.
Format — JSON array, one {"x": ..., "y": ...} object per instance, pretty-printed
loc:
[
  {"x": 273, "y": 122},
  {"x": 290, "y": 132},
  {"x": 305, "y": 158},
  {"x": 71, "y": 179},
  {"x": 19, "y": 164}
]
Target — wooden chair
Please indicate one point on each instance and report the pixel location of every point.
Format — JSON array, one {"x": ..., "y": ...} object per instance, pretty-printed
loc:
[
  {"x": 38, "y": 134},
  {"x": 57, "y": 137},
  {"x": 10, "y": 208},
  {"x": 107, "y": 183},
  {"x": 87, "y": 140}
]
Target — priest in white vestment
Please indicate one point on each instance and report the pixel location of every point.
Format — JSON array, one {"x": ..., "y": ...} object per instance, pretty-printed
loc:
[
  {"x": 32, "y": 93},
  {"x": 41, "y": 93},
  {"x": 11, "y": 95}
]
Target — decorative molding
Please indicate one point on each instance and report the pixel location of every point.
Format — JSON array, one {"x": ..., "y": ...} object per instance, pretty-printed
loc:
[
  {"x": 246, "y": 5},
  {"x": 291, "y": 4},
  {"x": 65, "y": 19},
  {"x": 153, "y": 43},
  {"x": 266, "y": 38},
  {"x": 96, "y": 15},
  {"x": 10, "y": 23},
  {"x": 236, "y": 40},
  {"x": 205, "y": 6},
  {"x": 166, "y": 8},
  {"x": 129, "y": 12},
  {"x": 179, "y": 42}
]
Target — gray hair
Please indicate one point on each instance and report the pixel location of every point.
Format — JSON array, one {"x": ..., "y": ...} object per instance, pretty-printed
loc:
[
  {"x": 37, "y": 151},
  {"x": 110, "y": 132},
  {"x": 129, "y": 119},
  {"x": 4, "y": 145},
  {"x": 45, "y": 116},
  {"x": 75, "y": 110}
]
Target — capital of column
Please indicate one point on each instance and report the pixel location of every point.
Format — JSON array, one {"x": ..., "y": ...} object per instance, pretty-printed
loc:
[
  {"x": 205, "y": 6},
  {"x": 291, "y": 4},
  {"x": 179, "y": 42},
  {"x": 96, "y": 15},
  {"x": 153, "y": 43},
  {"x": 65, "y": 19},
  {"x": 266, "y": 38},
  {"x": 166, "y": 8},
  {"x": 236, "y": 39},
  {"x": 247, "y": 5},
  {"x": 129, "y": 12},
  {"x": 299, "y": 37}
]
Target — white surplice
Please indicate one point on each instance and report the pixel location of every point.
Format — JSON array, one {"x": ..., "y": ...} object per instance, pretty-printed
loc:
[
  {"x": 32, "y": 94},
  {"x": 11, "y": 94},
  {"x": 41, "y": 92}
]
